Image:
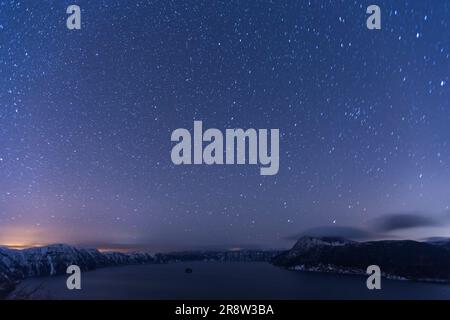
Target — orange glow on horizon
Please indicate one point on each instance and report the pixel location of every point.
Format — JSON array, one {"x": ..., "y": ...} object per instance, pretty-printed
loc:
[
  {"x": 19, "y": 237},
  {"x": 20, "y": 246}
]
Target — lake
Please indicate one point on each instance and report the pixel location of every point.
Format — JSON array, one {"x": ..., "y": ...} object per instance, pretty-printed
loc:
[{"x": 231, "y": 280}]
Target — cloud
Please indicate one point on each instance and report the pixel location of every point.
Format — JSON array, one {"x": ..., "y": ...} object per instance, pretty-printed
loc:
[
  {"x": 336, "y": 231},
  {"x": 382, "y": 227},
  {"x": 400, "y": 221}
]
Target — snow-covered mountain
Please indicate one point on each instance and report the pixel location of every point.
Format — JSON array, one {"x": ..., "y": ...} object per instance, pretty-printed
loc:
[
  {"x": 403, "y": 259},
  {"x": 54, "y": 259}
]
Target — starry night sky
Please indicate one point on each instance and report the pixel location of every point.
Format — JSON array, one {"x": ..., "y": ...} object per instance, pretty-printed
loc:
[{"x": 86, "y": 117}]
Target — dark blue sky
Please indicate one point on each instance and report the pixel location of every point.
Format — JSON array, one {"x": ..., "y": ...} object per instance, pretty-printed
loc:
[{"x": 86, "y": 118}]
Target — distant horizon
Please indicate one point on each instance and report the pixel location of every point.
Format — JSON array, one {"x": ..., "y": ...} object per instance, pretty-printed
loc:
[
  {"x": 143, "y": 247},
  {"x": 173, "y": 248}
]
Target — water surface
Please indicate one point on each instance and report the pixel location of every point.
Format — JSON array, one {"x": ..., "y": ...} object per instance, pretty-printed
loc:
[{"x": 214, "y": 280}]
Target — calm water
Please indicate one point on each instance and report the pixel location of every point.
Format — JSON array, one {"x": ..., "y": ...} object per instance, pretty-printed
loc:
[{"x": 212, "y": 280}]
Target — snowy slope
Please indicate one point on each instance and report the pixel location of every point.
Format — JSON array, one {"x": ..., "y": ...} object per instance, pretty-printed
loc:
[{"x": 54, "y": 259}]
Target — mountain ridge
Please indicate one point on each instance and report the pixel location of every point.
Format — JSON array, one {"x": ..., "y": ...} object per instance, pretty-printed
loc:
[
  {"x": 54, "y": 259},
  {"x": 399, "y": 259}
]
